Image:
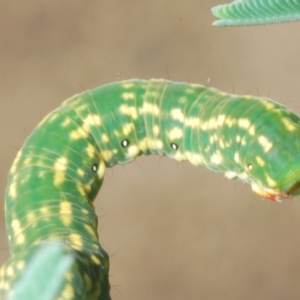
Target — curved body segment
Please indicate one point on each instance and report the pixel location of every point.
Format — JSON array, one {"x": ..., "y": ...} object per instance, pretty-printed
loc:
[{"x": 60, "y": 168}]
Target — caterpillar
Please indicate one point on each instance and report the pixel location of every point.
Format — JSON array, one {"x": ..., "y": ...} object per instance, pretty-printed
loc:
[
  {"x": 255, "y": 12},
  {"x": 50, "y": 219}
]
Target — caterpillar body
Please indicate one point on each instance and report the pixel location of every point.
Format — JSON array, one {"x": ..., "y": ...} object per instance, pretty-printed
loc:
[{"x": 60, "y": 168}]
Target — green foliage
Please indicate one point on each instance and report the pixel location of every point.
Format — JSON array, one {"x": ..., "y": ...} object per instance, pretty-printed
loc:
[{"x": 255, "y": 12}]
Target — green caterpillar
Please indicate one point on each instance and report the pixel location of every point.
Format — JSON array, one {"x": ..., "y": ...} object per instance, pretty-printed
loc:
[
  {"x": 50, "y": 219},
  {"x": 255, "y": 12}
]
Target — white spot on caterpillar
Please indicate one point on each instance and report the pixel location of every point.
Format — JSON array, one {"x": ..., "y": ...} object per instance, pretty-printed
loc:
[
  {"x": 243, "y": 176},
  {"x": 128, "y": 96},
  {"x": 265, "y": 143},
  {"x": 65, "y": 210},
  {"x": 60, "y": 167},
  {"x": 133, "y": 151},
  {"x": 175, "y": 133},
  {"x": 216, "y": 158},
  {"x": 129, "y": 110},
  {"x": 238, "y": 138},
  {"x": 90, "y": 150},
  {"x": 177, "y": 114},
  {"x": 230, "y": 174}
]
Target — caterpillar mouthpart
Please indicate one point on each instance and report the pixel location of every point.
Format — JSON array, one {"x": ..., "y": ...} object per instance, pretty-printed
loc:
[{"x": 270, "y": 194}]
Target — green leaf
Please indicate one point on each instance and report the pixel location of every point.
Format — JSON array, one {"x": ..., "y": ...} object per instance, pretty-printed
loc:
[{"x": 256, "y": 12}]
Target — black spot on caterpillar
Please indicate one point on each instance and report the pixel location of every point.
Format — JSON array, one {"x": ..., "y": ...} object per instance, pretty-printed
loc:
[{"x": 60, "y": 168}]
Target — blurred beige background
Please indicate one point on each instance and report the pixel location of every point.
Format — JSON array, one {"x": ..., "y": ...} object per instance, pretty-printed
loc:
[{"x": 173, "y": 231}]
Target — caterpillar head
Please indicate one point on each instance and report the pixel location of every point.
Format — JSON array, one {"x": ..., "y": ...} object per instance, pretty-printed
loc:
[{"x": 272, "y": 162}]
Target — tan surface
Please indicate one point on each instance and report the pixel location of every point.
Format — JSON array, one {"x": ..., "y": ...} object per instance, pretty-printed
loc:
[{"x": 173, "y": 231}]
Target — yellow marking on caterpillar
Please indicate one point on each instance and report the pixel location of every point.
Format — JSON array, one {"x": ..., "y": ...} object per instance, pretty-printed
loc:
[
  {"x": 79, "y": 133},
  {"x": 10, "y": 271},
  {"x": 156, "y": 130},
  {"x": 265, "y": 143},
  {"x": 133, "y": 151},
  {"x": 13, "y": 190},
  {"x": 238, "y": 138},
  {"x": 95, "y": 259},
  {"x": 175, "y": 133},
  {"x": 30, "y": 217},
  {"x": 90, "y": 150},
  {"x": 237, "y": 157},
  {"x": 149, "y": 108},
  {"x": 16, "y": 161},
  {"x": 104, "y": 138},
  {"x": 60, "y": 167},
  {"x": 177, "y": 114},
  {"x": 101, "y": 170},
  {"x": 129, "y": 110},
  {"x": 127, "y": 128},
  {"x": 192, "y": 122},
  {"x": 66, "y": 122},
  {"x": 268, "y": 105},
  {"x": 143, "y": 144},
  {"x": 230, "y": 121},
  {"x": 260, "y": 161},
  {"x": 220, "y": 120},
  {"x": 68, "y": 292},
  {"x": 270, "y": 181},
  {"x": 243, "y": 123},
  {"x": 80, "y": 189},
  {"x": 195, "y": 159},
  {"x": 21, "y": 265},
  {"x": 128, "y": 96},
  {"x": 20, "y": 240},
  {"x": 76, "y": 239},
  {"x": 89, "y": 229},
  {"x": 65, "y": 210},
  {"x": 127, "y": 85},
  {"x": 80, "y": 172},
  {"x": 288, "y": 124},
  {"x": 91, "y": 120},
  {"x": 106, "y": 154},
  {"x": 155, "y": 144},
  {"x": 251, "y": 130}
]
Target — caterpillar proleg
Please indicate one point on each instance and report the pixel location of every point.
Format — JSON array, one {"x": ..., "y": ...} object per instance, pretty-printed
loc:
[{"x": 60, "y": 168}]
